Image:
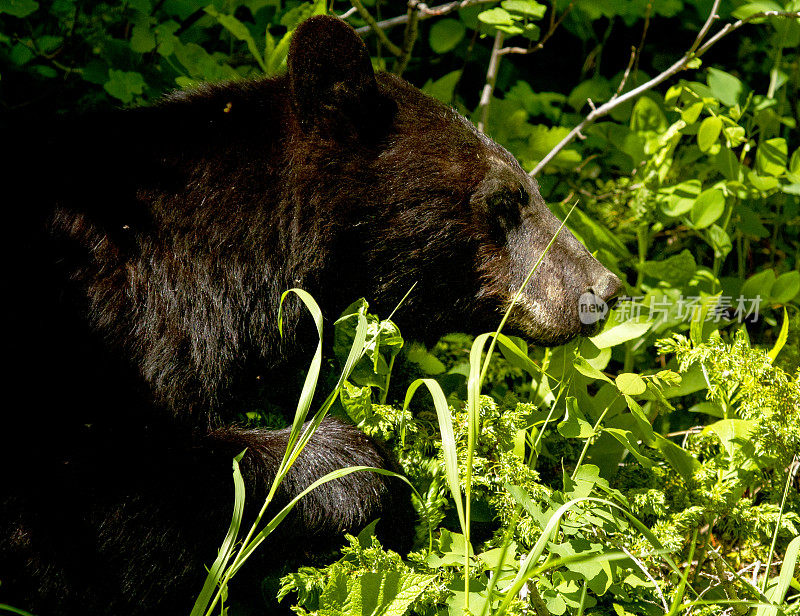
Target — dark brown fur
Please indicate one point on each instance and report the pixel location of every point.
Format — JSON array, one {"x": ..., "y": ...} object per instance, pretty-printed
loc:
[{"x": 148, "y": 257}]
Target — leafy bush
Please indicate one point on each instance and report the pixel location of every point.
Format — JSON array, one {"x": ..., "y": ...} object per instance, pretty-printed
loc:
[{"x": 649, "y": 469}]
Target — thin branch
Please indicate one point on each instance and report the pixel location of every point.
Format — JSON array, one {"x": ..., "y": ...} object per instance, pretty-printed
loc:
[
  {"x": 425, "y": 12},
  {"x": 491, "y": 78},
  {"x": 678, "y": 66},
  {"x": 409, "y": 36},
  {"x": 706, "y": 26},
  {"x": 640, "y": 47},
  {"x": 554, "y": 24},
  {"x": 373, "y": 25},
  {"x": 626, "y": 74}
]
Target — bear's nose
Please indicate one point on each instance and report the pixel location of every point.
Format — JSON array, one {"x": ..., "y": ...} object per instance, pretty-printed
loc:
[
  {"x": 596, "y": 302},
  {"x": 608, "y": 288}
]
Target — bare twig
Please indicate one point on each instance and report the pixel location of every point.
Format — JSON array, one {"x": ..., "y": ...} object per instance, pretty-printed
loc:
[
  {"x": 409, "y": 37},
  {"x": 373, "y": 25},
  {"x": 697, "y": 50},
  {"x": 554, "y": 24},
  {"x": 425, "y": 12},
  {"x": 706, "y": 26},
  {"x": 491, "y": 78},
  {"x": 640, "y": 47},
  {"x": 626, "y": 74}
]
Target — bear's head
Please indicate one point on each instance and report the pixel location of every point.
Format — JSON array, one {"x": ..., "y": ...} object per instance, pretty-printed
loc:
[
  {"x": 438, "y": 203},
  {"x": 202, "y": 210}
]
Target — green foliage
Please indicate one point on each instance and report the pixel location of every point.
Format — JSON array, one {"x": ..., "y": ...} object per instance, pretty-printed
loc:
[{"x": 634, "y": 472}]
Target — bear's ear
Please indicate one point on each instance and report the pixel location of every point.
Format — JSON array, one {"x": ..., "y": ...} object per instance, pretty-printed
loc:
[{"x": 331, "y": 78}]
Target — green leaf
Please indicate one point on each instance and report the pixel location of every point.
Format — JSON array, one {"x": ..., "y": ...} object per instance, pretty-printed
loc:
[
  {"x": 442, "y": 89},
  {"x": 626, "y": 438},
  {"x": 496, "y": 17},
  {"x": 725, "y": 87},
  {"x": 708, "y": 133},
  {"x": 124, "y": 85},
  {"x": 622, "y": 332},
  {"x": 630, "y": 383},
  {"x": 18, "y": 8},
  {"x": 450, "y": 455},
  {"x": 771, "y": 156},
  {"x": 777, "y": 593},
  {"x": 356, "y": 401},
  {"x": 381, "y": 593},
  {"x": 21, "y": 54},
  {"x": 746, "y": 10},
  {"x": 529, "y": 8},
  {"x": 708, "y": 206},
  {"x": 760, "y": 183},
  {"x": 794, "y": 163},
  {"x": 143, "y": 39},
  {"x": 446, "y": 34},
  {"x": 677, "y": 457},
  {"x": 782, "y": 337},
  {"x": 719, "y": 240},
  {"x": 732, "y": 433},
  {"x": 226, "y": 549},
  {"x": 786, "y": 287},
  {"x": 750, "y": 222},
  {"x": 240, "y": 31},
  {"x": 574, "y": 424},
  {"x": 647, "y": 116},
  {"x": 596, "y": 88},
  {"x": 759, "y": 285},
  {"x": 679, "y": 198},
  {"x": 674, "y": 271},
  {"x": 727, "y": 164},
  {"x": 586, "y": 369},
  {"x": 709, "y": 408},
  {"x": 692, "y": 112},
  {"x": 426, "y": 361}
]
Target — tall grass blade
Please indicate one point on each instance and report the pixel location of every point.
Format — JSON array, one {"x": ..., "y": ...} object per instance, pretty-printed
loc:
[
  {"x": 677, "y": 599},
  {"x": 310, "y": 384},
  {"x": 13, "y": 610},
  {"x": 448, "y": 440},
  {"x": 777, "y": 593},
  {"x": 337, "y": 474},
  {"x": 214, "y": 575},
  {"x": 538, "y": 549}
]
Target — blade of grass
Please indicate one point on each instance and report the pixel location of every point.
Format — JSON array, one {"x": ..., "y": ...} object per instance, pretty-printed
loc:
[
  {"x": 226, "y": 549},
  {"x": 474, "y": 386},
  {"x": 777, "y": 593},
  {"x": 448, "y": 439},
  {"x": 297, "y": 439},
  {"x": 677, "y": 599},
  {"x": 507, "y": 537},
  {"x": 14, "y": 610},
  {"x": 513, "y": 589},
  {"x": 792, "y": 470},
  {"x": 538, "y": 549},
  {"x": 336, "y": 474}
]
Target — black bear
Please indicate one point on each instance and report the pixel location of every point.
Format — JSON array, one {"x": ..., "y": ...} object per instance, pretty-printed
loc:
[{"x": 147, "y": 253}]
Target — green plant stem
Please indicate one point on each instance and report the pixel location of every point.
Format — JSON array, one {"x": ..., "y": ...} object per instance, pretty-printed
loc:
[
  {"x": 473, "y": 412},
  {"x": 385, "y": 392},
  {"x": 792, "y": 469},
  {"x": 589, "y": 440},
  {"x": 718, "y": 261}
]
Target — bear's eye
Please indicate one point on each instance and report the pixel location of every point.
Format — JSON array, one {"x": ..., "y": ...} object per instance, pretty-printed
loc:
[{"x": 505, "y": 206}]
